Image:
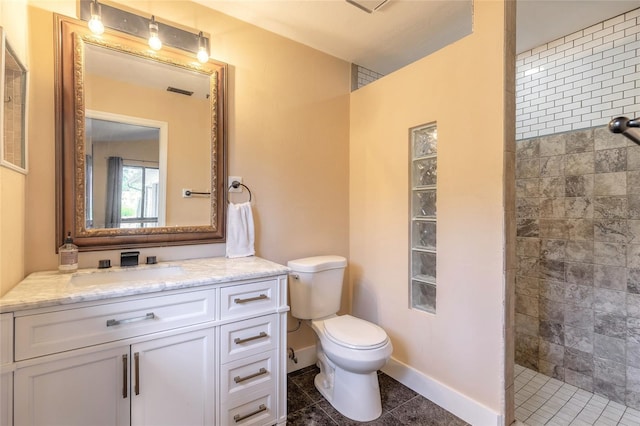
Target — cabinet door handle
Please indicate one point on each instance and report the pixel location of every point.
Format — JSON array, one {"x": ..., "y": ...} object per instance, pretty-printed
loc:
[
  {"x": 239, "y": 341},
  {"x": 250, "y": 299},
  {"x": 260, "y": 372},
  {"x": 125, "y": 379},
  {"x": 136, "y": 358},
  {"x": 238, "y": 418},
  {"x": 112, "y": 322}
]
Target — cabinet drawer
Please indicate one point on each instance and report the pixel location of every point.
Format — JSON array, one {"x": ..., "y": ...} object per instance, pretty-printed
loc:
[
  {"x": 52, "y": 332},
  {"x": 245, "y": 375},
  {"x": 257, "y": 408},
  {"x": 249, "y": 337},
  {"x": 248, "y": 299}
]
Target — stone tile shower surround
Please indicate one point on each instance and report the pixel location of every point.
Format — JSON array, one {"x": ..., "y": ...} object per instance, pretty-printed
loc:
[{"x": 578, "y": 247}]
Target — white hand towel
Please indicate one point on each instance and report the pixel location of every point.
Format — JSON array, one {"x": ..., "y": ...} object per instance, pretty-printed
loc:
[{"x": 240, "y": 233}]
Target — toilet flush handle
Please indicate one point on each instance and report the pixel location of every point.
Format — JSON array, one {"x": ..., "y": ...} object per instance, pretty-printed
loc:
[{"x": 295, "y": 276}]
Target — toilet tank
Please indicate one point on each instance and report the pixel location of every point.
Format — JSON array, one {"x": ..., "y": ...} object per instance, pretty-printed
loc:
[{"x": 315, "y": 286}]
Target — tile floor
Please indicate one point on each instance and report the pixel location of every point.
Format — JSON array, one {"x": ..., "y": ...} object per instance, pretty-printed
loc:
[
  {"x": 542, "y": 400},
  {"x": 400, "y": 405}
]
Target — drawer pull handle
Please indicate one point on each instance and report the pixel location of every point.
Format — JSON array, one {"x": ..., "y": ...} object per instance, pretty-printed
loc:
[
  {"x": 136, "y": 386},
  {"x": 250, "y": 299},
  {"x": 239, "y": 341},
  {"x": 112, "y": 322},
  {"x": 239, "y": 379},
  {"x": 125, "y": 374},
  {"x": 238, "y": 418}
]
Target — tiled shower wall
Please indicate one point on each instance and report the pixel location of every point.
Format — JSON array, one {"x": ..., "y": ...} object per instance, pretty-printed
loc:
[
  {"x": 361, "y": 76},
  {"x": 578, "y": 246},
  {"x": 581, "y": 80},
  {"x": 578, "y": 210}
]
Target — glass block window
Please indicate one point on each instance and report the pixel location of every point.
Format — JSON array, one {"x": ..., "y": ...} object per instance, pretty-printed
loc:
[{"x": 424, "y": 164}]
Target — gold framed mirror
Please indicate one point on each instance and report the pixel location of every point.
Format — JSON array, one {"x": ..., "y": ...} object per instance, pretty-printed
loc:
[{"x": 136, "y": 129}]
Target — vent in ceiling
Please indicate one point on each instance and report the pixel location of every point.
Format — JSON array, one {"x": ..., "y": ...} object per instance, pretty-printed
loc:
[
  {"x": 181, "y": 91},
  {"x": 368, "y": 6}
]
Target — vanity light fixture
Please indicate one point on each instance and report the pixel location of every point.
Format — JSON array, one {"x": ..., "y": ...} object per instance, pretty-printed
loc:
[
  {"x": 203, "y": 51},
  {"x": 154, "y": 40},
  {"x": 95, "y": 23},
  {"x": 159, "y": 34}
]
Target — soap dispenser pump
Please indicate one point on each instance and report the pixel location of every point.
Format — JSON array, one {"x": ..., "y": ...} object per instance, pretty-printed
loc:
[{"x": 68, "y": 255}]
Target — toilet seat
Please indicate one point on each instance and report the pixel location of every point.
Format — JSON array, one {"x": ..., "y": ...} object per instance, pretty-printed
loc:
[{"x": 354, "y": 333}]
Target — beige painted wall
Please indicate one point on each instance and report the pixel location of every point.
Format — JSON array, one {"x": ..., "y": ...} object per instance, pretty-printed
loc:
[
  {"x": 288, "y": 124},
  {"x": 13, "y": 20},
  {"x": 12, "y": 207},
  {"x": 461, "y": 88}
]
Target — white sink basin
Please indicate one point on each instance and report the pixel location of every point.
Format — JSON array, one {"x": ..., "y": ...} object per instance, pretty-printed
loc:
[{"x": 120, "y": 276}]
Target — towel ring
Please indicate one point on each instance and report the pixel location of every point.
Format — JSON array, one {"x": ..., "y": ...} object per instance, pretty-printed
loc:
[{"x": 236, "y": 184}]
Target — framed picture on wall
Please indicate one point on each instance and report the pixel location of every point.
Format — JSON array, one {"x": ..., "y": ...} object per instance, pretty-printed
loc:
[{"x": 13, "y": 108}]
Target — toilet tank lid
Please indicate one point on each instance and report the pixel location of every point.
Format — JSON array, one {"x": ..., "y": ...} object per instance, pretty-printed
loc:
[{"x": 317, "y": 263}]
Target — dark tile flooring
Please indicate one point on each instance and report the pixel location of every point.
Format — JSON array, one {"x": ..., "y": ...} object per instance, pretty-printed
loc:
[{"x": 400, "y": 405}]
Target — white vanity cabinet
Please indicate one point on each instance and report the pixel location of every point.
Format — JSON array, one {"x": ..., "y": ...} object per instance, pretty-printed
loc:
[
  {"x": 161, "y": 381},
  {"x": 209, "y": 355},
  {"x": 249, "y": 357},
  {"x": 6, "y": 369},
  {"x": 71, "y": 375}
]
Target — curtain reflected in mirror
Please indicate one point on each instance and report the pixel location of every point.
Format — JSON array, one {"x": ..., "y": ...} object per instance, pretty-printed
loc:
[{"x": 114, "y": 192}]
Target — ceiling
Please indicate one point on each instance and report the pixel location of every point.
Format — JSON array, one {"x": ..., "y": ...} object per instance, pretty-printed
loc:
[
  {"x": 400, "y": 32},
  {"x": 113, "y": 131}
]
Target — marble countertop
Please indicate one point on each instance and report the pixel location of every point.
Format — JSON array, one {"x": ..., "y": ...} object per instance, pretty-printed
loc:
[{"x": 51, "y": 288}]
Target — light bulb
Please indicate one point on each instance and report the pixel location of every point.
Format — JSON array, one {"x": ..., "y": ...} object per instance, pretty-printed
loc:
[
  {"x": 95, "y": 23},
  {"x": 154, "y": 41},
  {"x": 203, "y": 54}
]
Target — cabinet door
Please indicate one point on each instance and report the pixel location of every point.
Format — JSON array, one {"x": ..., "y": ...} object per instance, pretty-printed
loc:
[
  {"x": 172, "y": 380},
  {"x": 6, "y": 369},
  {"x": 89, "y": 389},
  {"x": 6, "y": 398}
]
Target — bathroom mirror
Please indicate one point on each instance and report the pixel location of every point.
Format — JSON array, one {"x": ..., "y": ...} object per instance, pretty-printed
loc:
[
  {"x": 13, "y": 109},
  {"x": 135, "y": 129}
]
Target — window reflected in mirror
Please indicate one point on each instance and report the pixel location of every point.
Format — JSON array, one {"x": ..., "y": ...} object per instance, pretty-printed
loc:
[{"x": 139, "y": 197}]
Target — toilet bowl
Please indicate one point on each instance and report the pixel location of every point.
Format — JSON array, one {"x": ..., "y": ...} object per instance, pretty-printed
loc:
[
  {"x": 349, "y": 365},
  {"x": 350, "y": 350},
  {"x": 355, "y": 344}
]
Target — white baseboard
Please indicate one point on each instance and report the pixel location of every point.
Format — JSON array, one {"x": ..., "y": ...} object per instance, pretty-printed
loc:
[
  {"x": 305, "y": 356},
  {"x": 456, "y": 403}
]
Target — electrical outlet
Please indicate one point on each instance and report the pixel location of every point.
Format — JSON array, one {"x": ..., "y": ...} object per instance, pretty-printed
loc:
[
  {"x": 186, "y": 193},
  {"x": 235, "y": 179}
]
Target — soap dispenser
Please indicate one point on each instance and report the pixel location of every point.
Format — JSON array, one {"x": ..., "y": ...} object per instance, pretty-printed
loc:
[{"x": 68, "y": 255}]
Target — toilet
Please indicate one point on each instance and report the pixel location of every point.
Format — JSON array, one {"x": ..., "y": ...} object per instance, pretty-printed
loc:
[{"x": 350, "y": 350}]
